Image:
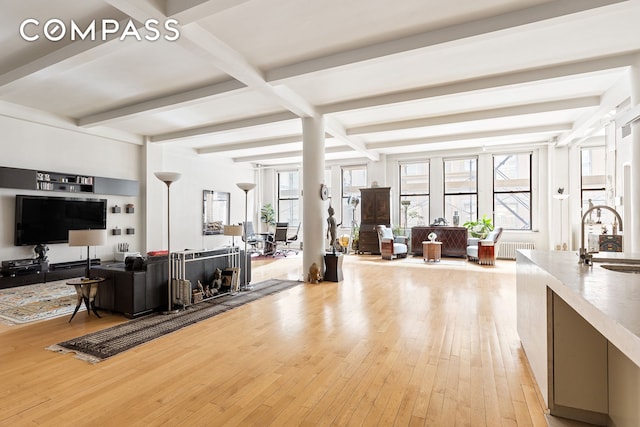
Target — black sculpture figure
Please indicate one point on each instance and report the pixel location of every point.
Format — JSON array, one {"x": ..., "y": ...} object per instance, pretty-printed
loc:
[
  {"x": 331, "y": 231},
  {"x": 41, "y": 252}
]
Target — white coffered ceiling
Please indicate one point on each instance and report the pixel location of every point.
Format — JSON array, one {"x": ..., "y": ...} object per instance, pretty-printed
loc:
[{"x": 391, "y": 78}]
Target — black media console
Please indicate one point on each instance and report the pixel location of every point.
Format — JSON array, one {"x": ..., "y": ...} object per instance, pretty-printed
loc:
[{"x": 30, "y": 271}]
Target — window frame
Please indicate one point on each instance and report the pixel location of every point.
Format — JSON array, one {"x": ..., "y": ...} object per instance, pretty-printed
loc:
[
  {"x": 472, "y": 193},
  {"x": 584, "y": 188},
  {"x": 529, "y": 191},
  {"x": 287, "y": 199},
  {"x": 402, "y": 194},
  {"x": 343, "y": 199}
]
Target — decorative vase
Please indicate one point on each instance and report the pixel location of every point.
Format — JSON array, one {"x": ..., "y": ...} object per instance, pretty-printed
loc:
[{"x": 456, "y": 219}]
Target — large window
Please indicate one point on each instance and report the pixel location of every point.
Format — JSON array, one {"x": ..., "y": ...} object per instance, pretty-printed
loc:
[
  {"x": 353, "y": 179},
  {"x": 593, "y": 176},
  {"x": 414, "y": 194},
  {"x": 288, "y": 197},
  {"x": 461, "y": 189},
  {"x": 512, "y": 191}
]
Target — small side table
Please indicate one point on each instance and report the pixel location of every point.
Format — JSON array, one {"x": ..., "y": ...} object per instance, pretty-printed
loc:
[
  {"x": 333, "y": 264},
  {"x": 431, "y": 251},
  {"x": 86, "y": 290}
]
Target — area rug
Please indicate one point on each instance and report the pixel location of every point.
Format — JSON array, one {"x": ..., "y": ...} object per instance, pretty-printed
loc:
[
  {"x": 280, "y": 255},
  {"x": 101, "y": 345},
  {"x": 42, "y": 301},
  {"x": 458, "y": 262}
]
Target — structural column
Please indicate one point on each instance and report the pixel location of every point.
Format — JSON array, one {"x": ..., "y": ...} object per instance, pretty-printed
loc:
[
  {"x": 633, "y": 233},
  {"x": 314, "y": 211}
]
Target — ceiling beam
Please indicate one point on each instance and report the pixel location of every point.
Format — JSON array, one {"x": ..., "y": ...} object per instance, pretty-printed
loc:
[
  {"x": 258, "y": 143},
  {"x": 590, "y": 122},
  {"x": 285, "y": 155},
  {"x": 510, "y": 20},
  {"x": 225, "y": 58},
  {"x": 338, "y": 131},
  {"x": 187, "y": 11},
  {"x": 494, "y": 113},
  {"x": 490, "y": 82},
  {"x": 163, "y": 103},
  {"x": 220, "y": 54},
  {"x": 629, "y": 117},
  {"x": 43, "y": 118},
  {"x": 472, "y": 150},
  {"x": 60, "y": 60},
  {"x": 140, "y": 10},
  {"x": 472, "y": 135},
  {"x": 221, "y": 127},
  {"x": 234, "y": 64}
]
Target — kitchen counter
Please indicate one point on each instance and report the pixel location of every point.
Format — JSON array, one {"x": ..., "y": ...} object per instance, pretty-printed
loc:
[
  {"x": 608, "y": 300},
  {"x": 579, "y": 326}
]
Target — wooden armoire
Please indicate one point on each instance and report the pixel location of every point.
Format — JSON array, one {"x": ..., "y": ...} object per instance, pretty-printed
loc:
[{"x": 375, "y": 209}]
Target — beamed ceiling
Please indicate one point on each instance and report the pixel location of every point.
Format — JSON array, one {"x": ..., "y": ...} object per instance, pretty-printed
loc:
[{"x": 403, "y": 77}]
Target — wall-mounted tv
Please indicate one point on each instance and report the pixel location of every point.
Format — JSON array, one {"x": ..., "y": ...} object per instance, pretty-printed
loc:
[{"x": 41, "y": 219}]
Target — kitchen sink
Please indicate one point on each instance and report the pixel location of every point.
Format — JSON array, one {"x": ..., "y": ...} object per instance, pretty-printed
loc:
[{"x": 623, "y": 268}]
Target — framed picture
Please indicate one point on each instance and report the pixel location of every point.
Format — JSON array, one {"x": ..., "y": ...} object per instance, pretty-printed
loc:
[
  {"x": 215, "y": 211},
  {"x": 231, "y": 278}
]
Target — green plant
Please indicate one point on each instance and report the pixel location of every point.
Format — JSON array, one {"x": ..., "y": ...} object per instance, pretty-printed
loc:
[
  {"x": 480, "y": 228},
  {"x": 355, "y": 242},
  {"x": 268, "y": 214}
]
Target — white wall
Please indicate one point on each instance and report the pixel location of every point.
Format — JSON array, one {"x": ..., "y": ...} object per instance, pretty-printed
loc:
[
  {"x": 377, "y": 172},
  {"x": 268, "y": 193},
  {"x": 42, "y": 147},
  {"x": 623, "y": 182},
  {"x": 28, "y": 145},
  {"x": 198, "y": 173}
]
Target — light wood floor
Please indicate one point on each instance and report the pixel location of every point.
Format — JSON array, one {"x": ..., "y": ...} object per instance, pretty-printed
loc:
[{"x": 397, "y": 343}]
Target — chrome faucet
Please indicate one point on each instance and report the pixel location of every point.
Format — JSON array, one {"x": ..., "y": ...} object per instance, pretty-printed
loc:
[{"x": 585, "y": 258}]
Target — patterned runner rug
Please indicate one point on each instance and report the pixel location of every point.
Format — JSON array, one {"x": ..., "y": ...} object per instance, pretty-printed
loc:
[
  {"x": 98, "y": 346},
  {"x": 42, "y": 301}
]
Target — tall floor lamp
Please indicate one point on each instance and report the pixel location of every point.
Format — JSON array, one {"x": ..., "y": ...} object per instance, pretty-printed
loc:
[
  {"x": 562, "y": 196},
  {"x": 168, "y": 178},
  {"x": 246, "y": 187}
]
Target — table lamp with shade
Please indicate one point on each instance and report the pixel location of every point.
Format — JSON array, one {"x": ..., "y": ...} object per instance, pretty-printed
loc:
[
  {"x": 88, "y": 238},
  {"x": 233, "y": 231}
]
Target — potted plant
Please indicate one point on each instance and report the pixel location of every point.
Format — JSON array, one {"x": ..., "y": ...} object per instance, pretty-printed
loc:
[
  {"x": 268, "y": 215},
  {"x": 480, "y": 228},
  {"x": 355, "y": 242}
]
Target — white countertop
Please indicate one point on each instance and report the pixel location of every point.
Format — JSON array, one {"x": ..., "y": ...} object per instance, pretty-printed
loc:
[{"x": 608, "y": 300}]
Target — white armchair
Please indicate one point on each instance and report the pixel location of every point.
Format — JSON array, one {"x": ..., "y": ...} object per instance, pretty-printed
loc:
[{"x": 391, "y": 246}]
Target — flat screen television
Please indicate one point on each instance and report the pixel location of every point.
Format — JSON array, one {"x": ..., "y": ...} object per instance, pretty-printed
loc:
[{"x": 42, "y": 219}]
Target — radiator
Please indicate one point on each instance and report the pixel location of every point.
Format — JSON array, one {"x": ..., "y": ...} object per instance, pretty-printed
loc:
[{"x": 507, "y": 250}]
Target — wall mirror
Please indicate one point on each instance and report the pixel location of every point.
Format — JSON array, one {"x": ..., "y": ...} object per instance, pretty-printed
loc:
[{"x": 215, "y": 211}]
